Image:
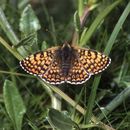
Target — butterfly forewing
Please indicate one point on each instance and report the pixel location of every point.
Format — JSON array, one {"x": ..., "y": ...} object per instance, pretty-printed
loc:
[
  {"x": 39, "y": 62},
  {"x": 93, "y": 62}
]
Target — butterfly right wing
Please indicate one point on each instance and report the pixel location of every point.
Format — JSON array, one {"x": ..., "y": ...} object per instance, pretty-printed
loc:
[
  {"x": 39, "y": 62},
  {"x": 93, "y": 62}
]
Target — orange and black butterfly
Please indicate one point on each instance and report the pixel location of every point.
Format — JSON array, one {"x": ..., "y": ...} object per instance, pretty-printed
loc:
[{"x": 65, "y": 64}]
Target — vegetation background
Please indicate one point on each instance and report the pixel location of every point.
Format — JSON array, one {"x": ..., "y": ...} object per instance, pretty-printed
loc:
[{"x": 103, "y": 102}]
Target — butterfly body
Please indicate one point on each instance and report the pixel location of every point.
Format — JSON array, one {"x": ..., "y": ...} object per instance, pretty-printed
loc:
[
  {"x": 65, "y": 55},
  {"x": 68, "y": 64}
]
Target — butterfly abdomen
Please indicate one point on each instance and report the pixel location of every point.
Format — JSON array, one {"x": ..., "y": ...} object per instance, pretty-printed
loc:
[
  {"x": 65, "y": 68},
  {"x": 66, "y": 58}
]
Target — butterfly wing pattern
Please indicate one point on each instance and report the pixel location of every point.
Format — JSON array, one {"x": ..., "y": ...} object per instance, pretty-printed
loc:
[
  {"x": 77, "y": 73},
  {"x": 53, "y": 75},
  {"x": 38, "y": 63},
  {"x": 49, "y": 67},
  {"x": 93, "y": 62}
]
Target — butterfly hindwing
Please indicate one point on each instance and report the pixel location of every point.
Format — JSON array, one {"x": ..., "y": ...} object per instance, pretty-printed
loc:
[
  {"x": 53, "y": 75},
  {"x": 77, "y": 74}
]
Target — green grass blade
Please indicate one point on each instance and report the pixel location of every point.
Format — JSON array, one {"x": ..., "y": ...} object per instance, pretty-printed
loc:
[
  {"x": 117, "y": 29},
  {"x": 32, "y": 125},
  {"x": 115, "y": 102},
  {"x": 92, "y": 98},
  {"x": 7, "y": 28},
  {"x": 80, "y": 7},
  {"x": 14, "y": 104},
  {"x": 10, "y": 49},
  {"x": 97, "y": 21},
  {"x": 4, "y": 24},
  {"x": 77, "y": 22},
  {"x": 53, "y": 29}
]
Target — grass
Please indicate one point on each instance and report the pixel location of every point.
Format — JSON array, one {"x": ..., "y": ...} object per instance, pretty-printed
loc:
[{"x": 100, "y": 103}]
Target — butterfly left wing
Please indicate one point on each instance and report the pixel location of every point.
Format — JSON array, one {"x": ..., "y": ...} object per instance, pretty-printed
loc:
[
  {"x": 39, "y": 62},
  {"x": 92, "y": 61},
  {"x": 77, "y": 74}
]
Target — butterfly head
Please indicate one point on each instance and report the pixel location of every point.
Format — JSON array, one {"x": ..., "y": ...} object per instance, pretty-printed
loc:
[{"x": 66, "y": 46}]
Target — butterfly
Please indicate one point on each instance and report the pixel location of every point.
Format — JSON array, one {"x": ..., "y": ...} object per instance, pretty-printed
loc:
[{"x": 65, "y": 64}]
